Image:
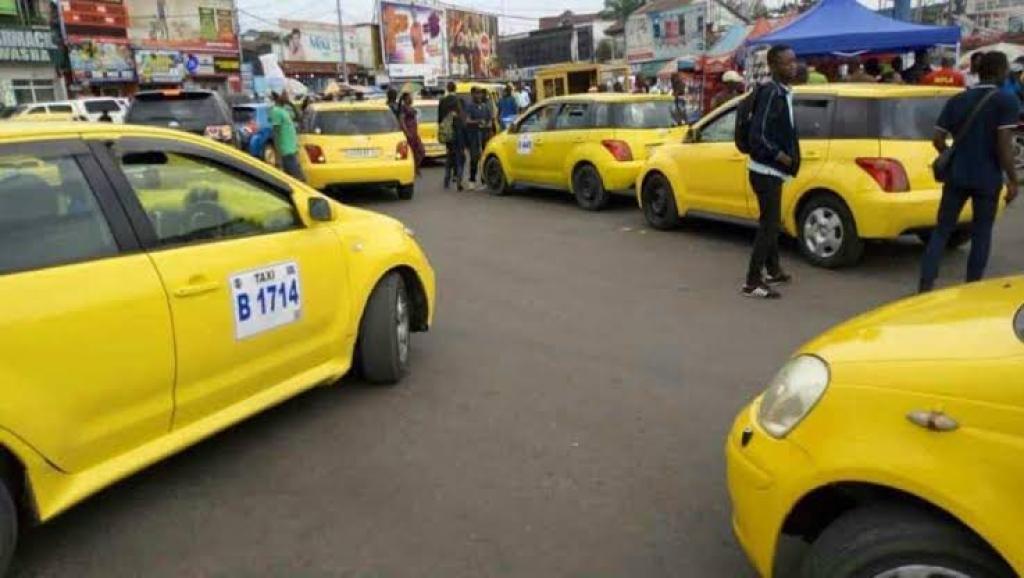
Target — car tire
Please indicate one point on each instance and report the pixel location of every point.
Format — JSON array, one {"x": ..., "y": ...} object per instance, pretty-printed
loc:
[
  {"x": 959, "y": 238},
  {"x": 384, "y": 332},
  {"x": 406, "y": 192},
  {"x": 828, "y": 234},
  {"x": 659, "y": 202},
  {"x": 881, "y": 540},
  {"x": 588, "y": 188},
  {"x": 8, "y": 527},
  {"x": 494, "y": 176},
  {"x": 270, "y": 154}
]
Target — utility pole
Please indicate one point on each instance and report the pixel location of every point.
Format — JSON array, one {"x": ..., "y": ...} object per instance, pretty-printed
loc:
[{"x": 341, "y": 35}]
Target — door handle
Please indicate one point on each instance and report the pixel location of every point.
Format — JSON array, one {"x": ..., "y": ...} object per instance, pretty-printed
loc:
[
  {"x": 193, "y": 289},
  {"x": 811, "y": 155},
  {"x": 738, "y": 158}
]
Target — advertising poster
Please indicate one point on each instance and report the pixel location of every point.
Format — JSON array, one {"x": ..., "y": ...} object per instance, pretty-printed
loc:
[
  {"x": 9, "y": 7},
  {"x": 413, "y": 38},
  {"x": 180, "y": 24},
  {"x": 472, "y": 44},
  {"x": 159, "y": 66},
  {"x": 97, "y": 61},
  {"x": 665, "y": 35},
  {"x": 316, "y": 42}
]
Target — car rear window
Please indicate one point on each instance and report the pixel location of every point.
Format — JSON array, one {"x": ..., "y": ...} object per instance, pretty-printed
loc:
[
  {"x": 192, "y": 111},
  {"x": 647, "y": 114},
  {"x": 243, "y": 114},
  {"x": 64, "y": 108},
  {"x": 427, "y": 113},
  {"x": 101, "y": 106},
  {"x": 353, "y": 122},
  {"x": 896, "y": 119}
]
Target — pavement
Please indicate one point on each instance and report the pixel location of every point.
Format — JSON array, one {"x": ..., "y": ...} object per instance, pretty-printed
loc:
[{"x": 565, "y": 416}]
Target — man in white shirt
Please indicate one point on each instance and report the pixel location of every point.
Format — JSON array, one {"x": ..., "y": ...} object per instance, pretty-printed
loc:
[{"x": 522, "y": 97}]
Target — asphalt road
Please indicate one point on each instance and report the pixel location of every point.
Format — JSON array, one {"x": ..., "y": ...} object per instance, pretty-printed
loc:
[{"x": 565, "y": 416}]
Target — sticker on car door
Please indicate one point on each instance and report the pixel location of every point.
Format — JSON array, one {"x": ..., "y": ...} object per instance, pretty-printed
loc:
[
  {"x": 266, "y": 298},
  {"x": 525, "y": 144}
]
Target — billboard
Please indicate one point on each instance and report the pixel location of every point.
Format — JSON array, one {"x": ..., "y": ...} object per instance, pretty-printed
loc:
[
  {"x": 9, "y": 7},
  {"x": 316, "y": 42},
  {"x": 101, "y": 60},
  {"x": 413, "y": 39},
  {"x": 182, "y": 24},
  {"x": 472, "y": 44},
  {"x": 159, "y": 66},
  {"x": 667, "y": 34}
]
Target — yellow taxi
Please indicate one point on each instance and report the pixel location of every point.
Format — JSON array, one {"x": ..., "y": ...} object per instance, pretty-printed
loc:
[
  {"x": 427, "y": 124},
  {"x": 591, "y": 145},
  {"x": 355, "y": 143},
  {"x": 893, "y": 445},
  {"x": 159, "y": 287},
  {"x": 865, "y": 172}
]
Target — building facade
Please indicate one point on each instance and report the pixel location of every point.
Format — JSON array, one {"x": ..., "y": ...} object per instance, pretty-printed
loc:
[{"x": 29, "y": 54}]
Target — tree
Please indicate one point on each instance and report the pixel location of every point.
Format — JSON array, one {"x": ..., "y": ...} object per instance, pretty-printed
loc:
[{"x": 619, "y": 10}]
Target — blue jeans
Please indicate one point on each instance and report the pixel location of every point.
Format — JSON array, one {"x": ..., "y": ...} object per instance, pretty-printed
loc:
[
  {"x": 290, "y": 164},
  {"x": 455, "y": 160},
  {"x": 985, "y": 205}
]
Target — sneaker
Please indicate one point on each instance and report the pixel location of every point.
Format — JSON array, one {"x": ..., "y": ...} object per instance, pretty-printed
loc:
[
  {"x": 779, "y": 278},
  {"x": 760, "y": 292},
  {"x": 472, "y": 186}
]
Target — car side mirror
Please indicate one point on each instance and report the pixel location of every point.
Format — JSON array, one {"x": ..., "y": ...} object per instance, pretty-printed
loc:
[
  {"x": 692, "y": 136},
  {"x": 320, "y": 210}
]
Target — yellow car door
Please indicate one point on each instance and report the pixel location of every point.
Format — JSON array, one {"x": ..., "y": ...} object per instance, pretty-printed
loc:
[
  {"x": 259, "y": 298},
  {"x": 571, "y": 129},
  {"x": 88, "y": 365},
  {"x": 529, "y": 152},
  {"x": 714, "y": 170}
]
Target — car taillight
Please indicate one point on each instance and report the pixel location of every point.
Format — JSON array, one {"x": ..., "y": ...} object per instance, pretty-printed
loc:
[
  {"x": 220, "y": 132},
  {"x": 619, "y": 149},
  {"x": 888, "y": 173},
  {"x": 316, "y": 154},
  {"x": 402, "y": 151}
]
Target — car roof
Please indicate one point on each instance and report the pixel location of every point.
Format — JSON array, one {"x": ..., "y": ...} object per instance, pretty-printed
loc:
[
  {"x": 73, "y": 130},
  {"x": 868, "y": 90},
  {"x": 354, "y": 105},
  {"x": 175, "y": 92},
  {"x": 607, "y": 97}
]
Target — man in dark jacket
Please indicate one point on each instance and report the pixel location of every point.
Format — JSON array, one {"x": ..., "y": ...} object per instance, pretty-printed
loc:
[
  {"x": 455, "y": 160},
  {"x": 774, "y": 159}
]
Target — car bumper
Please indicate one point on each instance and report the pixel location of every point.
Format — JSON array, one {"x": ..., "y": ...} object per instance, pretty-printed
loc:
[
  {"x": 761, "y": 476},
  {"x": 434, "y": 149},
  {"x": 620, "y": 176},
  {"x": 389, "y": 171},
  {"x": 888, "y": 215}
]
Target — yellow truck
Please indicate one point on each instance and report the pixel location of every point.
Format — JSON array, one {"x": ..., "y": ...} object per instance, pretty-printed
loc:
[{"x": 564, "y": 79}]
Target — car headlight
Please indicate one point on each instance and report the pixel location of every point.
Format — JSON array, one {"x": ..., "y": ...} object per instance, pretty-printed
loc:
[{"x": 792, "y": 394}]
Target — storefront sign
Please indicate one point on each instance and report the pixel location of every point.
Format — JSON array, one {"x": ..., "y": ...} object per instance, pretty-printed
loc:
[
  {"x": 472, "y": 44},
  {"x": 159, "y": 66},
  {"x": 84, "y": 17},
  {"x": 316, "y": 42},
  {"x": 199, "y": 64},
  {"x": 9, "y": 7},
  {"x": 101, "y": 60},
  {"x": 665, "y": 35},
  {"x": 413, "y": 38},
  {"x": 226, "y": 65},
  {"x": 182, "y": 24},
  {"x": 28, "y": 45}
]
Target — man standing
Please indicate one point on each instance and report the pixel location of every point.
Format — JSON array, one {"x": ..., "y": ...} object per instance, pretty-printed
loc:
[
  {"x": 733, "y": 84},
  {"x": 971, "y": 77},
  {"x": 921, "y": 67},
  {"x": 285, "y": 137},
  {"x": 774, "y": 159},
  {"x": 522, "y": 97},
  {"x": 946, "y": 75},
  {"x": 478, "y": 122},
  {"x": 451, "y": 106},
  {"x": 982, "y": 158}
]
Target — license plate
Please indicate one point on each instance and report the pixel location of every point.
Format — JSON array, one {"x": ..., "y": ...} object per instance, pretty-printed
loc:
[
  {"x": 362, "y": 153},
  {"x": 266, "y": 298}
]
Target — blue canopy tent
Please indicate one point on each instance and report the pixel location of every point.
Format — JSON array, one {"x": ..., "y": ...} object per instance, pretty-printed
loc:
[{"x": 845, "y": 27}]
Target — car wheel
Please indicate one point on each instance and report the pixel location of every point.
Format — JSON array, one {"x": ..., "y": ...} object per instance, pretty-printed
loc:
[
  {"x": 959, "y": 238},
  {"x": 494, "y": 176},
  {"x": 406, "y": 192},
  {"x": 588, "y": 188},
  {"x": 384, "y": 332},
  {"x": 659, "y": 202},
  {"x": 270, "y": 154},
  {"x": 8, "y": 528},
  {"x": 828, "y": 234},
  {"x": 893, "y": 541}
]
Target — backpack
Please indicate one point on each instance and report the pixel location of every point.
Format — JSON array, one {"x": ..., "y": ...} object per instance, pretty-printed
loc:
[
  {"x": 745, "y": 116},
  {"x": 446, "y": 129}
]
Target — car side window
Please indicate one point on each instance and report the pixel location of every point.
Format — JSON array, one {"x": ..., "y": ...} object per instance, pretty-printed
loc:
[
  {"x": 37, "y": 110},
  {"x": 49, "y": 214},
  {"x": 191, "y": 199},
  {"x": 61, "y": 108},
  {"x": 602, "y": 115},
  {"x": 573, "y": 116},
  {"x": 538, "y": 120},
  {"x": 721, "y": 129},
  {"x": 812, "y": 118}
]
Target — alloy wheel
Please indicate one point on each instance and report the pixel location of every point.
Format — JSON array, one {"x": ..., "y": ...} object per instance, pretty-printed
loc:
[
  {"x": 823, "y": 232},
  {"x": 402, "y": 327}
]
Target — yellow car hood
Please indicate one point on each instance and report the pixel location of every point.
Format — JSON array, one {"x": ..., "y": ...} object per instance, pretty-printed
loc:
[{"x": 971, "y": 322}]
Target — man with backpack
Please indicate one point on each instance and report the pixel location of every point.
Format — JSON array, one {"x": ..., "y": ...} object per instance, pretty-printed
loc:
[
  {"x": 765, "y": 130},
  {"x": 451, "y": 132}
]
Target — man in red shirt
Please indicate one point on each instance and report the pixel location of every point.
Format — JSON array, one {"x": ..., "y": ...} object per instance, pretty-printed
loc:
[{"x": 948, "y": 75}]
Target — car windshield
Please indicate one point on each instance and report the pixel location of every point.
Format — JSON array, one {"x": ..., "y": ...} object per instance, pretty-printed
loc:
[
  {"x": 427, "y": 113},
  {"x": 648, "y": 114},
  {"x": 354, "y": 122},
  {"x": 190, "y": 111},
  {"x": 910, "y": 118},
  {"x": 101, "y": 106},
  {"x": 242, "y": 114}
]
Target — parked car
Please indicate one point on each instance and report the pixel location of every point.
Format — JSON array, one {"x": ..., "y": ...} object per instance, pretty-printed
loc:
[
  {"x": 95, "y": 107},
  {"x": 201, "y": 112},
  {"x": 588, "y": 144},
  {"x": 158, "y": 291},
  {"x": 355, "y": 143},
  {"x": 427, "y": 123},
  {"x": 893, "y": 445},
  {"x": 256, "y": 135},
  {"x": 865, "y": 173},
  {"x": 64, "y": 110}
]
